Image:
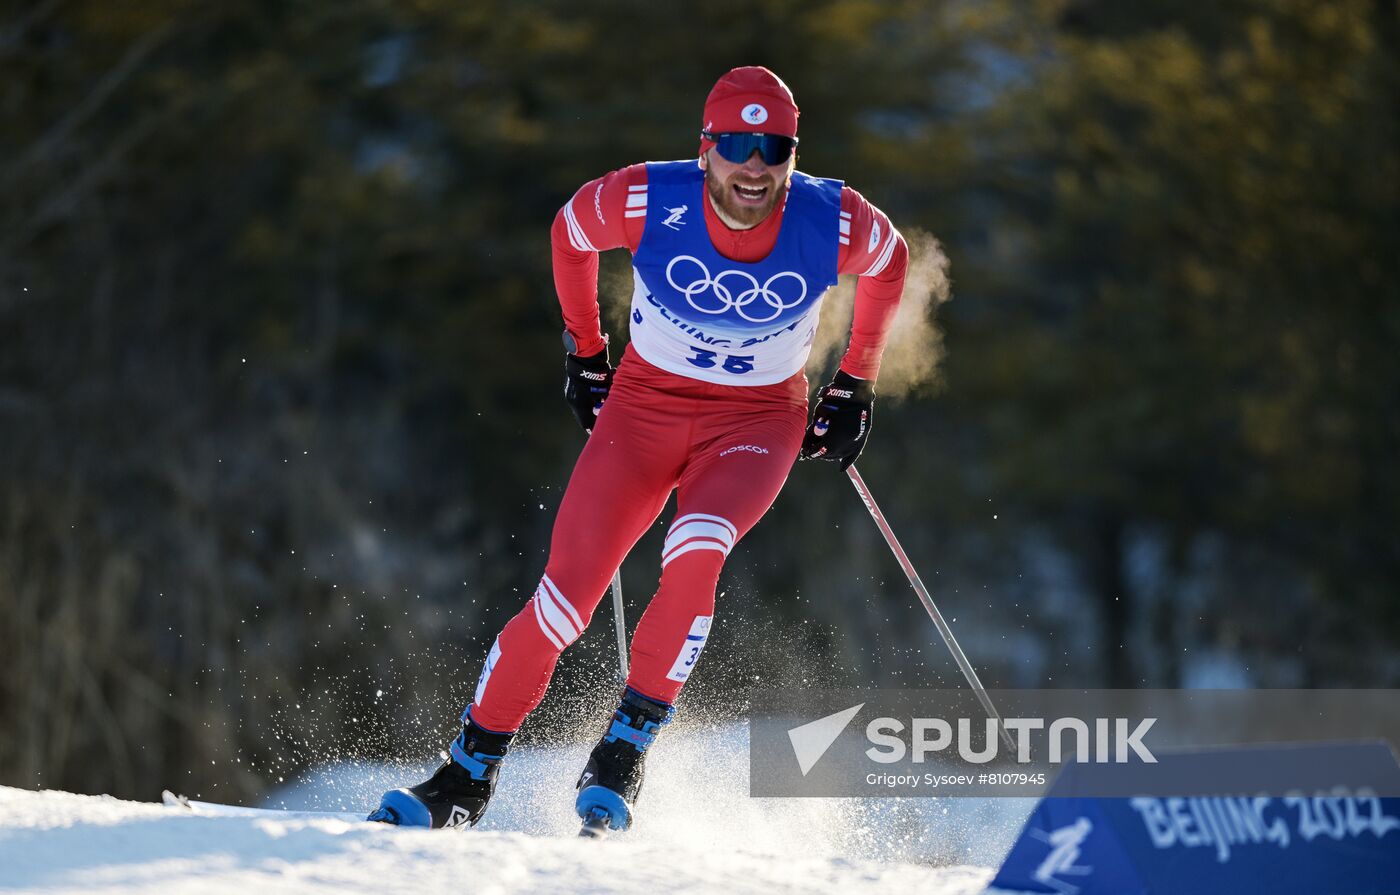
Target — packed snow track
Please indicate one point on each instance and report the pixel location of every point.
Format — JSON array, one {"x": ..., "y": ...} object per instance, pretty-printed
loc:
[{"x": 690, "y": 837}]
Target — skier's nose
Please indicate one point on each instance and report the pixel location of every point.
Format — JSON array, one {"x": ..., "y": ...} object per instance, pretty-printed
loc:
[{"x": 756, "y": 163}]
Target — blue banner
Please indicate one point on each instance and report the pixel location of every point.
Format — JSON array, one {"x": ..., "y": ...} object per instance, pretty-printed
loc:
[{"x": 1338, "y": 842}]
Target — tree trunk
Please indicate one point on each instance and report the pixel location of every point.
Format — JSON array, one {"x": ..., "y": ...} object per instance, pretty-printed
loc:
[{"x": 1111, "y": 587}]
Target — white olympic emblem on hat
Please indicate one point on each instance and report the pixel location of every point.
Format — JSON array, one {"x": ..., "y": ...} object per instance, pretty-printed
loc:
[
  {"x": 754, "y": 113},
  {"x": 701, "y": 287}
]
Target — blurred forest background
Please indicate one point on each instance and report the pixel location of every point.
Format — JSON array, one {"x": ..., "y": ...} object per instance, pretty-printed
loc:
[{"x": 281, "y": 433}]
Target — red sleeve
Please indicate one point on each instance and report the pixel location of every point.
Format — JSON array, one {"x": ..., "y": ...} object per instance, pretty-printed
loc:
[
  {"x": 607, "y": 213},
  {"x": 872, "y": 249}
]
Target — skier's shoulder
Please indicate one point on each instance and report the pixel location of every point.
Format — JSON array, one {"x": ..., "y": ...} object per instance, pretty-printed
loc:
[
  {"x": 632, "y": 175},
  {"x": 612, "y": 185},
  {"x": 870, "y": 243},
  {"x": 854, "y": 204},
  {"x": 607, "y": 211}
]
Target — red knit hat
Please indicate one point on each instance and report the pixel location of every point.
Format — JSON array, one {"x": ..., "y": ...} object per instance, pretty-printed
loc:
[{"x": 749, "y": 99}]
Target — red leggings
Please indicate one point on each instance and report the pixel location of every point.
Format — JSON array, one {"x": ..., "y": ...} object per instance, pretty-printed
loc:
[{"x": 726, "y": 450}]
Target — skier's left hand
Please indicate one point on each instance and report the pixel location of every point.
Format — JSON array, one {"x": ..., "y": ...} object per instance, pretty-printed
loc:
[{"x": 841, "y": 420}]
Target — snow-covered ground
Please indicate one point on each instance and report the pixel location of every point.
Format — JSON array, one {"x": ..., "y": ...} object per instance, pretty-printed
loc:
[{"x": 697, "y": 831}]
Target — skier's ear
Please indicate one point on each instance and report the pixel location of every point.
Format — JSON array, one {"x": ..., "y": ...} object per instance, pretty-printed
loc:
[{"x": 705, "y": 161}]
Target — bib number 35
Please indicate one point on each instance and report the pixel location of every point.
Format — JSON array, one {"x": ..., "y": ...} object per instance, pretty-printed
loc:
[{"x": 738, "y": 364}]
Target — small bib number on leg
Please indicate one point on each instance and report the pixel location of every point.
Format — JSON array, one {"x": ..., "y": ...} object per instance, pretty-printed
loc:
[{"x": 690, "y": 649}]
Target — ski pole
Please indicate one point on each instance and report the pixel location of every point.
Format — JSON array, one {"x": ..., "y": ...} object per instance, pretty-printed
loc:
[
  {"x": 620, "y": 624},
  {"x": 927, "y": 600}
]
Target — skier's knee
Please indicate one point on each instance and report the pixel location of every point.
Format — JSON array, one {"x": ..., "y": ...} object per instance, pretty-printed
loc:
[
  {"x": 559, "y": 620},
  {"x": 699, "y": 536},
  {"x": 697, "y": 570}
]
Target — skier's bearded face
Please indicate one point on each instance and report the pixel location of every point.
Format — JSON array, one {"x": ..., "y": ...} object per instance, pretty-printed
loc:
[{"x": 745, "y": 194}]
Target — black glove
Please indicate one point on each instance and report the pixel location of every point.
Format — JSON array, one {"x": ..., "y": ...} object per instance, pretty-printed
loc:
[
  {"x": 841, "y": 420},
  {"x": 586, "y": 384}
]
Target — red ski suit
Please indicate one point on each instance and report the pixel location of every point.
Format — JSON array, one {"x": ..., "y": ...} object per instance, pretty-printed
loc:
[{"x": 725, "y": 449}]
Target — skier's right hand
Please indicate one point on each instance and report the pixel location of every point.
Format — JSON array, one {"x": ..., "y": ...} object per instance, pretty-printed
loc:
[{"x": 586, "y": 384}]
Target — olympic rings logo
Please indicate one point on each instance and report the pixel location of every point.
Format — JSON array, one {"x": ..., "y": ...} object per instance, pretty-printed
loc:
[{"x": 704, "y": 291}]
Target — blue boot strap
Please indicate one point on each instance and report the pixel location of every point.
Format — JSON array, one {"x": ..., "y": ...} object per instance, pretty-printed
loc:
[
  {"x": 476, "y": 763},
  {"x": 639, "y": 738}
]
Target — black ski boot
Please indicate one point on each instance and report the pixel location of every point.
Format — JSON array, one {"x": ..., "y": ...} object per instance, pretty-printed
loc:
[
  {"x": 457, "y": 793},
  {"x": 612, "y": 779}
]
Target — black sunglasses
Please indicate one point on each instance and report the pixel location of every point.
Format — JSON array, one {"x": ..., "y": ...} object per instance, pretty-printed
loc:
[{"x": 738, "y": 148}]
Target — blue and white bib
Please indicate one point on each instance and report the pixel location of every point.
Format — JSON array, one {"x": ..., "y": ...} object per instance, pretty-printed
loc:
[{"x": 698, "y": 314}]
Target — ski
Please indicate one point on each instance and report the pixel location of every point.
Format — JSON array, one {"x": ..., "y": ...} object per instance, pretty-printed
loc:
[
  {"x": 597, "y": 825},
  {"x": 215, "y": 809}
]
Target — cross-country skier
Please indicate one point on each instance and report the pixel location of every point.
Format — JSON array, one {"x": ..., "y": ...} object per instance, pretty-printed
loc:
[{"x": 731, "y": 256}]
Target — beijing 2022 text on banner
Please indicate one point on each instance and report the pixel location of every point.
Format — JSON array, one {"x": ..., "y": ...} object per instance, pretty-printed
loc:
[{"x": 1336, "y": 840}]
